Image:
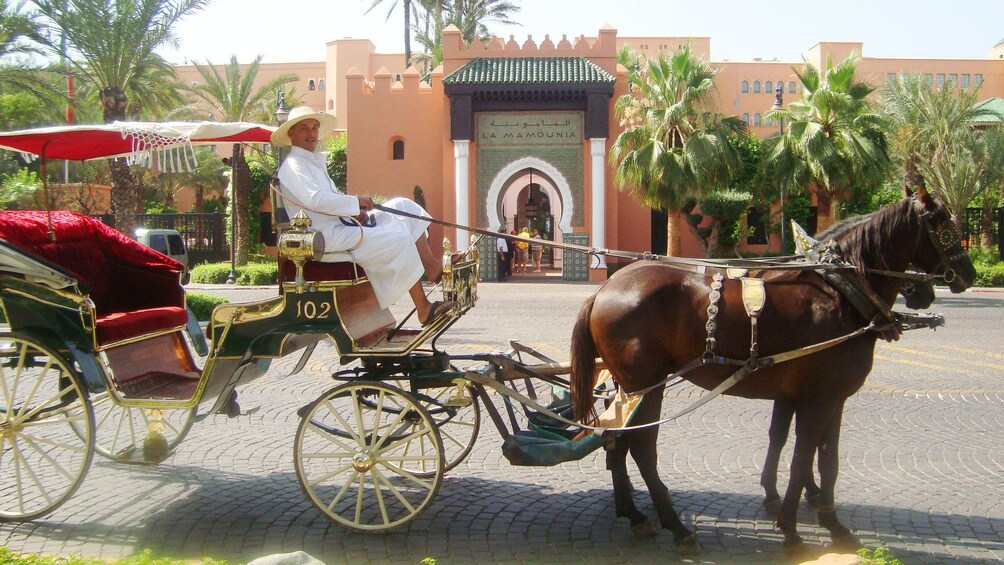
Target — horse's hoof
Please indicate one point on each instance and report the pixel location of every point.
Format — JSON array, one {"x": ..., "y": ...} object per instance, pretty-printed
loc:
[
  {"x": 772, "y": 507},
  {"x": 644, "y": 529},
  {"x": 847, "y": 543},
  {"x": 812, "y": 499},
  {"x": 687, "y": 545},
  {"x": 796, "y": 551}
]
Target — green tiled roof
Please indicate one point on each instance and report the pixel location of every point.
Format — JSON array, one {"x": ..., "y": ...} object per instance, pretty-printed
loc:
[
  {"x": 529, "y": 70},
  {"x": 990, "y": 110}
]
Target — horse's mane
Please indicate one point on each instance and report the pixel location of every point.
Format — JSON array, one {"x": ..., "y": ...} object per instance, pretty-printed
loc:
[
  {"x": 842, "y": 226},
  {"x": 862, "y": 239}
]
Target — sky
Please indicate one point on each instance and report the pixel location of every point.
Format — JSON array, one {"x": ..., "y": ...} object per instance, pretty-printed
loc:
[{"x": 740, "y": 30}]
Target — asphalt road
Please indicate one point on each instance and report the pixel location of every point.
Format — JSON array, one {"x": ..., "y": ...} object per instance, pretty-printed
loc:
[{"x": 922, "y": 466}]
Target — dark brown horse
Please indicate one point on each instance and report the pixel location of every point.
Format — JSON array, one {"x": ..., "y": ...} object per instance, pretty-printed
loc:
[{"x": 649, "y": 321}]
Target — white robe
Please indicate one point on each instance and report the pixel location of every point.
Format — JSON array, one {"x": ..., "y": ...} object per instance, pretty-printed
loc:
[{"x": 387, "y": 251}]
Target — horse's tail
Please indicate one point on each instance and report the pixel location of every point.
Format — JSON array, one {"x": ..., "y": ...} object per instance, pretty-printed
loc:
[{"x": 583, "y": 371}]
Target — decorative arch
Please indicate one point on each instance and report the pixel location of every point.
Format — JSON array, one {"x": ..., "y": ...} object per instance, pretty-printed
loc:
[{"x": 515, "y": 167}]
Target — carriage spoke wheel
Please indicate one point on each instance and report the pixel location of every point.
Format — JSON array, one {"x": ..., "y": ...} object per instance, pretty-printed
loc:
[
  {"x": 355, "y": 451},
  {"x": 46, "y": 429},
  {"x": 124, "y": 433},
  {"x": 458, "y": 419}
]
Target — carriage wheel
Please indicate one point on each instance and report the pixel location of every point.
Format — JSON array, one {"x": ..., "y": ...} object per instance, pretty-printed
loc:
[
  {"x": 46, "y": 429},
  {"x": 354, "y": 449},
  {"x": 458, "y": 425},
  {"x": 123, "y": 431}
]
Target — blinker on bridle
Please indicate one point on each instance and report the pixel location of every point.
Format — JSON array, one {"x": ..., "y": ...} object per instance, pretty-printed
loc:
[{"x": 945, "y": 237}]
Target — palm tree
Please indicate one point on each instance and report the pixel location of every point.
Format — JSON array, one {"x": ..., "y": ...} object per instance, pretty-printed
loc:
[
  {"x": 471, "y": 17},
  {"x": 406, "y": 4},
  {"x": 674, "y": 146},
  {"x": 111, "y": 45},
  {"x": 832, "y": 141},
  {"x": 19, "y": 32},
  {"x": 232, "y": 96}
]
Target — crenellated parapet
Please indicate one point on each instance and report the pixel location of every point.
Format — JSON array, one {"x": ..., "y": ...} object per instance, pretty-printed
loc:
[{"x": 601, "y": 49}]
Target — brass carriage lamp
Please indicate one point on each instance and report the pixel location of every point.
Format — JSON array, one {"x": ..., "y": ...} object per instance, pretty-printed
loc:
[{"x": 299, "y": 244}]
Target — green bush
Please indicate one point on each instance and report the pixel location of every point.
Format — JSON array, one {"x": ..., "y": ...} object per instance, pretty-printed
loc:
[
  {"x": 202, "y": 304},
  {"x": 254, "y": 274},
  {"x": 984, "y": 255},
  {"x": 878, "y": 556},
  {"x": 989, "y": 275},
  {"x": 248, "y": 275}
]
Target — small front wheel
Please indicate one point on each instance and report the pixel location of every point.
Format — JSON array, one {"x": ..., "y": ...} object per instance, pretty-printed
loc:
[
  {"x": 355, "y": 451},
  {"x": 46, "y": 429}
]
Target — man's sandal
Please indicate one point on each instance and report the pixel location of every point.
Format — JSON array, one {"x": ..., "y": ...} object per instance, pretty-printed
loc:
[{"x": 436, "y": 310}]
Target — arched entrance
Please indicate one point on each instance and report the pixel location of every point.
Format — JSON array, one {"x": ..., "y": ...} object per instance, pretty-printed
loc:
[{"x": 531, "y": 192}]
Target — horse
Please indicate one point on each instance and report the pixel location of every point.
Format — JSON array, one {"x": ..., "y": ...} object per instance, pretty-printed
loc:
[
  {"x": 653, "y": 320},
  {"x": 918, "y": 295}
]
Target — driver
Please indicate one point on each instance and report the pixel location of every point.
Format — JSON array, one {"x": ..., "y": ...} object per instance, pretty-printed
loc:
[{"x": 394, "y": 250}]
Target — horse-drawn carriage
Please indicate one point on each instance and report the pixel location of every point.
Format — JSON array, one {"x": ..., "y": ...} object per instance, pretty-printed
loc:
[{"x": 101, "y": 356}]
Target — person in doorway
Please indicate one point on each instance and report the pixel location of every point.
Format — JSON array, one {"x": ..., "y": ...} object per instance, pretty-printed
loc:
[
  {"x": 536, "y": 250},
  {"x": 393, "y": 249},
  {"x": 522, "y": 251},
  {"x": 502, "y": 250}
]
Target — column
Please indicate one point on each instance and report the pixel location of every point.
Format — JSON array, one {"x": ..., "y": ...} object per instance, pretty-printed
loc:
[
  {"x": 461, "y": 183},
  {"x": 598, "y": 154}
]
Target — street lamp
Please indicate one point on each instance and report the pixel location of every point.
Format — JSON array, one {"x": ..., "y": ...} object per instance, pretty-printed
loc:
[
  {"x": 779, "y": 105},
  {"x": 281, "y": 111}
]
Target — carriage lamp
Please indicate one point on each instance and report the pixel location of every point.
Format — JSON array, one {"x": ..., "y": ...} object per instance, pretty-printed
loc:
[
  {"x": 447, "y": 264},
  {"x": 299, "y": 244}
]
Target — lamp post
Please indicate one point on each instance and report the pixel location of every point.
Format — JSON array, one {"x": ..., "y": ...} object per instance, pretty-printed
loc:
[
  {"x": 281, "y": 111},
  {"x": 779, "y": 105},
  {"x": 232, "y": 277}
]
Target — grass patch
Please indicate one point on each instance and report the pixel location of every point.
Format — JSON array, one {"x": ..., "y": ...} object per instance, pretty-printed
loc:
[{"x": 8, "y": 557}]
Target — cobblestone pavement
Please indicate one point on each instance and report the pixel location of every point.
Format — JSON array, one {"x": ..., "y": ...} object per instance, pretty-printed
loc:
[{"x": 922, "y": 467}]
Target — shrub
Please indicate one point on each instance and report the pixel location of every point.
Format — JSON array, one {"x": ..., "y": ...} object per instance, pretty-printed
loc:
[
  {"x": 989, "y": 275},
  {"x": 202, "y": 304},
  {"x": 254, "y": 274},
  {"x": 984, "y": 255},
  {"x": 247, "y": 275},
  {"x": 878, "y": 556}
]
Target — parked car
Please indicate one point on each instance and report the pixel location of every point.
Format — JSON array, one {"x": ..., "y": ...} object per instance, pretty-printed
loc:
[{"x": 169, "y": 243}]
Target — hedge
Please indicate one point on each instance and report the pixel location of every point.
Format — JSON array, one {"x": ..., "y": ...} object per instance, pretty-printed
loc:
[
  {"x": 202, "y": 304},
  {"x": 247, "y": 275}
]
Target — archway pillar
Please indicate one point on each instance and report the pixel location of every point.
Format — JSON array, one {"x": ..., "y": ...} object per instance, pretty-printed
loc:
[
  {"x": 598, "y": 154},
  {"x": 461, "y": 183}
]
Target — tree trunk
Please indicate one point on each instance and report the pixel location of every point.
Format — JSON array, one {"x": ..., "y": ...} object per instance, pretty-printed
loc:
[
  {"x": 673, "y": 221},
  {"x": 987, "y": 223},
  {"x": 242, "y": 190},
  {"x": 407, "y": 34},
  {"x": 124, "y": 186},
  {"x": 825, "y": 211}
]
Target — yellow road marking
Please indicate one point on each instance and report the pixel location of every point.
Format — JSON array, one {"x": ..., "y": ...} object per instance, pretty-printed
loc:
[
  {"x": 912, "y": 351},
  {"x": 927, "y": 365},
  {"x": 973, "y": 351}
]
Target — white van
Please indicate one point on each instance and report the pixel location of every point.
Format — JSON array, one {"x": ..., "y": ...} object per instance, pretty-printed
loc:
[{"x": 169, "y": 243}]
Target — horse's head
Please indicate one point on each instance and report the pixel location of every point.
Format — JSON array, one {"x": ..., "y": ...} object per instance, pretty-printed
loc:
[{"x": 939, "y": 251}]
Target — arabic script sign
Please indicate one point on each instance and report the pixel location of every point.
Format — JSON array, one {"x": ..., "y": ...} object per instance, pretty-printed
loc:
[{"x": 529, "y": 128}]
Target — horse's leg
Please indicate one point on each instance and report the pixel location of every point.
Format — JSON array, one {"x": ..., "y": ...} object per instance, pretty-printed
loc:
[
  {"x": 644, "y": 451},
  {"x": 842, "y": 538},
  {"x": 623, "y": 502},
  {"x": 780, "y": 423},
  {"x": 810, "y": 424}
]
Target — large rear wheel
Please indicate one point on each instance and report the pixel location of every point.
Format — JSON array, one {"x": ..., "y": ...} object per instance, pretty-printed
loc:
[
  {"x": 355, "y": 453},
  {"x": 46, "y": 429}
]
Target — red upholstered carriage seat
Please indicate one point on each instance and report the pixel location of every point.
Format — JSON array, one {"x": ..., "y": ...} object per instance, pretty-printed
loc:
[
  {"x": 316, "y": 271},
  {"x": 135, "y": 290}
]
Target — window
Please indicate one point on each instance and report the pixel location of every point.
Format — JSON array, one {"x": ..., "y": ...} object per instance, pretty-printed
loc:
[
  {"x": 965, "y": 81},
  {"x": 977, "y": 79},
  {"x": 890, "y": 78},
  {"x": 953, "y": 80},
  {"x": 768, "y": 87},
  {"x": 320, "y": 85},
  {"x": 746, "y": 118},
  {"x": 398, "y": 152},
  {"x": 397, "y": 77},
  {"x": 929, "y": 79},
  {"x": 311, "y": 85},
  {"x": 756, "y": 87},
  {"x": 744, "y": 87},
  {"x": 756, "y": 119},
  {"x": 791, "y": 87},
  {"x": 941, "y": 80}
]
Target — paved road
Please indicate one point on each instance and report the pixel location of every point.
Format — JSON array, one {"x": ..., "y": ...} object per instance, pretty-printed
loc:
[{"x": 922, "y": 467}]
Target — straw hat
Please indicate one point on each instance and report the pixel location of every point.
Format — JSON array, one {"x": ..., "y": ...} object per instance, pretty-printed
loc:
[{"x": 300, "y": 113}]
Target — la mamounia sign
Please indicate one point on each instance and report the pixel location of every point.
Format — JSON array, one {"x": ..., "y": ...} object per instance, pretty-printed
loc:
[{"x": 529, "y": 128}]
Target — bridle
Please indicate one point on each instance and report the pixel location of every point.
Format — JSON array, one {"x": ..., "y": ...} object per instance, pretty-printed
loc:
[{"x": 945, "y": 238}]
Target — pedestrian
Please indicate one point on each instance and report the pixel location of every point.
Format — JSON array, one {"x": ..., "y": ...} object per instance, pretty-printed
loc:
[
  {"x": 502, "y": 250},
  {"x": 522, "y": 251},
  {"x": 536, "y": 250}
]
